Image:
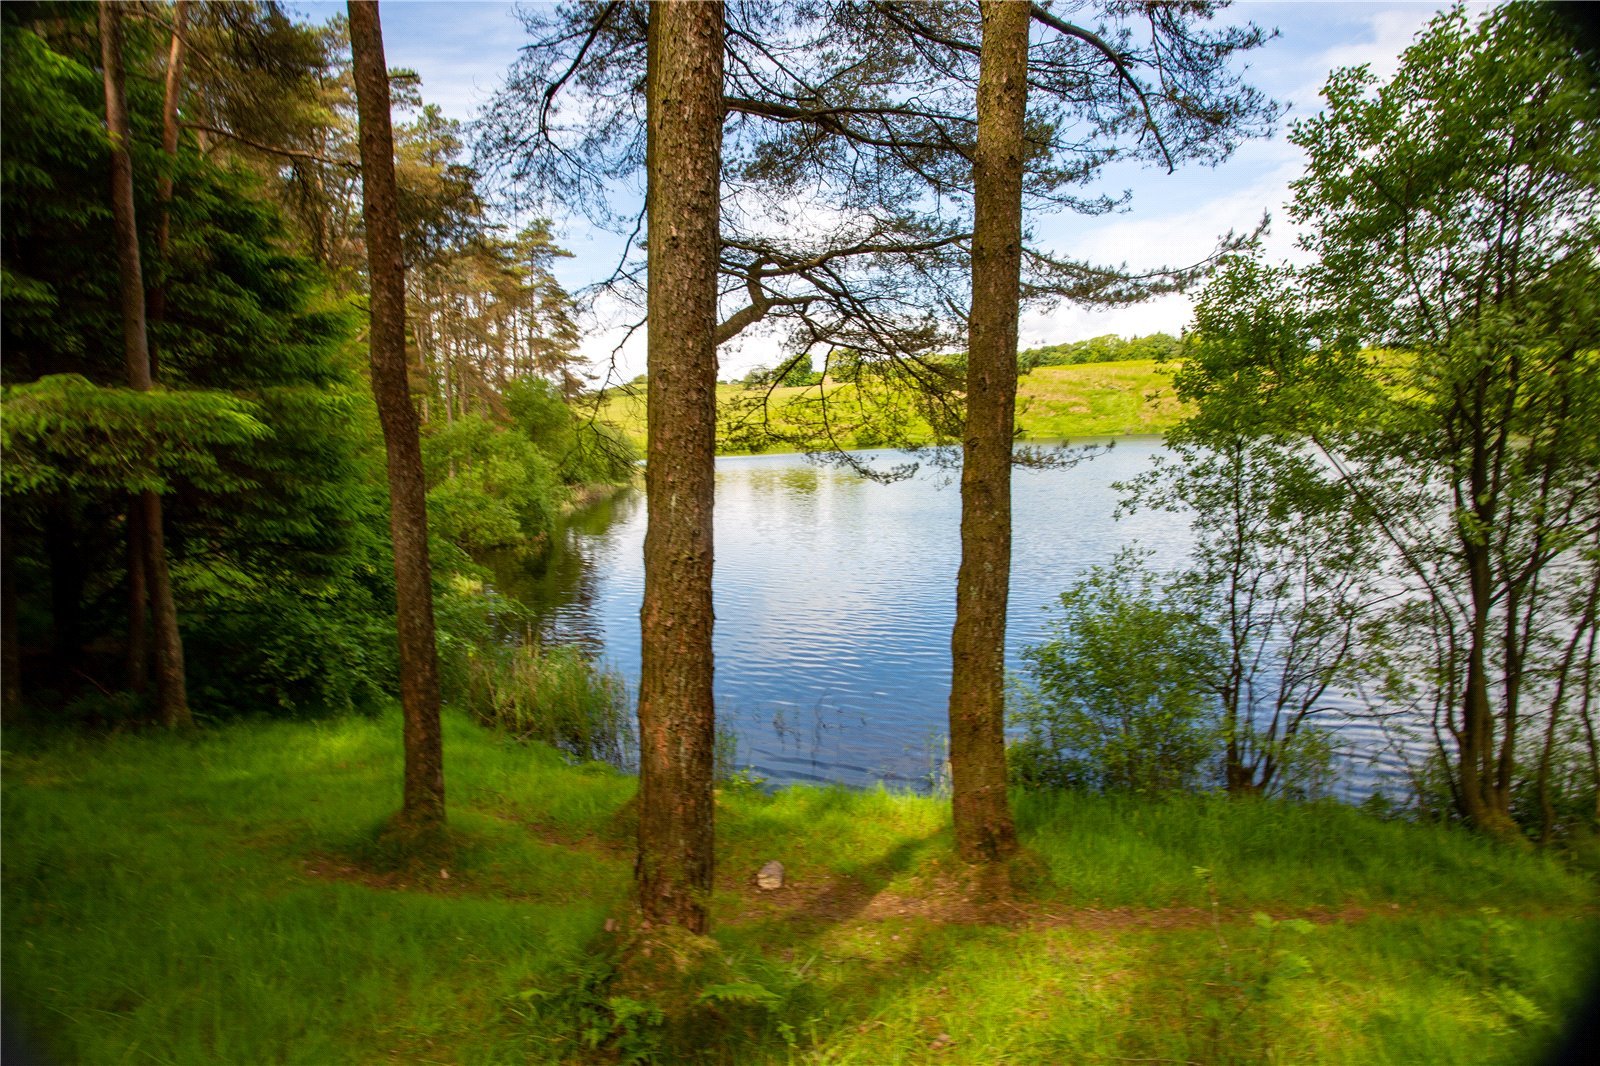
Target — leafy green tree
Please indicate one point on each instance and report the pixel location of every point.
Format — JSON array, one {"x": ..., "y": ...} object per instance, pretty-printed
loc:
[
  {"x": 488, "y": 487},
  {"x": 1483, "y": 156},
  {"x": 1285, "y": 563},
  {"x": 1121, "y": 698},
  {"x": 797, "y": 373},
  {"x": 1449, "y": 374}
]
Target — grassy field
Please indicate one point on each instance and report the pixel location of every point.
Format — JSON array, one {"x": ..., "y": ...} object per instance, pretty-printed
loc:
[
  {"x": 1089, "y": 400},
  {"x": 226, "y": 898}
]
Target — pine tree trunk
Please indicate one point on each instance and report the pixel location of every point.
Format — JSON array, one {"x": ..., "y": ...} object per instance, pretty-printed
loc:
[
  {"x": 983, "y": 825},
  {"x": 423, "y": 805},
  {"x": 172, "y": 695},
  {"x": 676, "y": 719},
  {"x": 157, "y": 301}
]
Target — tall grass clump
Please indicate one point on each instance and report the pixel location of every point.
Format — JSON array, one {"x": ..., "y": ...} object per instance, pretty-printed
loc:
[{"x": 555, "y": 695}]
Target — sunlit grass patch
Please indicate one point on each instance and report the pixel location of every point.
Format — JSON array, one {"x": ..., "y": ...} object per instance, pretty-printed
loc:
[
  {"x": 1053, "y": 403},
  {"x": 230, "y": 897}
]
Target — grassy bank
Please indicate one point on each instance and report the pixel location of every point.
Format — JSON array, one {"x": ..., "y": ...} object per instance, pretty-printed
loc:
[
  {"x": 224, "y": 898},
  {"x": 1088, "y": 400}
]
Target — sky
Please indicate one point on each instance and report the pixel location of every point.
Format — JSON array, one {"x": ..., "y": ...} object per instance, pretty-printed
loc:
[{"x": 462, "y": 50}]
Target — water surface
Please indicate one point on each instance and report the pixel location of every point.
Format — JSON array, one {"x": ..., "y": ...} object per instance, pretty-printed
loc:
[{"x": 835, "y": 597}]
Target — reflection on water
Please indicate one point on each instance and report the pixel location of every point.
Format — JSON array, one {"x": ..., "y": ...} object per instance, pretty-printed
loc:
[
  {"x": 835, "y": 596},
  {"x": 565, "y": 587}
]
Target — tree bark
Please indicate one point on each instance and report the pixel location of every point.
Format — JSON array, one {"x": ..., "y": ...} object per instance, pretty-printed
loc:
[
  {"x": 172, "y": 695},
  {"x": 982, "y": 814},
  {"x": 676, "y": 716},
  {"x": 1484, "y": 805},
  {"x": 423, "y": 805},
  {"x": 157, "y": 300},
  {"x": 138, "y": 648}
]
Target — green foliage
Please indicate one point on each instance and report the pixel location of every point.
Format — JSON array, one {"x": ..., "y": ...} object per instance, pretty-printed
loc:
[
  {"x": 584, "y": 450},
  {"x": 261, "y": 438},
  {"x": 1120, "y": 695},
  {"x": 1284, "y": 565},
  {"x": 63, "y": 433},
  {"x": 1464, "y": 447},
  {"x": 496, "y": 485},
  {"x": 580, "y": 1013},
  {"x": 797, "y": 373},
  {"x": 488, "y": 488}
]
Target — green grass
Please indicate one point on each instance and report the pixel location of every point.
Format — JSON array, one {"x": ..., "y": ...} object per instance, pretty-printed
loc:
[
  {"x": 227, "y": 898},
  {"x": 1053, "y": 403}
]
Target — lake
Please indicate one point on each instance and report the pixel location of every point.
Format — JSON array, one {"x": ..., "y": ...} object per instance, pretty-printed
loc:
[{"x": 835, "y": 596}]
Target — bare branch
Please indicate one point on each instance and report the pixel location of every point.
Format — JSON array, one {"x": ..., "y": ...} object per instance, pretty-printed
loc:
[{"x": 271, "y": 149}]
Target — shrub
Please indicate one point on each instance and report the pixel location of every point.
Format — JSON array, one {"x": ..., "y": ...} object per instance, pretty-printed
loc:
[{"x": 1117, "y": 699}]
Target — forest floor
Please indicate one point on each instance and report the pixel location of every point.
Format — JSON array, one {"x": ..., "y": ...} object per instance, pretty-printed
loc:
[
  {"x": 227, "y": 897},
  {"x": 1053, "y": 403}
]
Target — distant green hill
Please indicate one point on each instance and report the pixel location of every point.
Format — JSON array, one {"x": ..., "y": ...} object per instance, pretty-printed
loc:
[{"x": 1104, "y": 399}]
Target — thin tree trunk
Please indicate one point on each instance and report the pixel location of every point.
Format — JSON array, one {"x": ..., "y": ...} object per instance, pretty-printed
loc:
[
  {"x": 983, "y": 825},
  {"x": 172, "y": 691},
  {"x": 172, "y": 696},
  {"x": 423, "y": 804},
  {"x": 1484, "y": 805},
  {"x": 138, "y": 649},
  {"x": 676, "y": 717},
  {"x": 157, "y": 300}
]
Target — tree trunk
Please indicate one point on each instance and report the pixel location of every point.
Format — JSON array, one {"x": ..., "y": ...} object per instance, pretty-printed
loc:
[
  {"x": 138, "y": 648},
  {"x": 172, "y": 695},
  {"x": 423, "y": 805},
  {"x": 1482, "y": 803},
  {"x": 172, "y": 689},
  {"x": 157, "y": 301},
  {"x": 984, "y": 830},
  {"x": 676, "y": 719}
]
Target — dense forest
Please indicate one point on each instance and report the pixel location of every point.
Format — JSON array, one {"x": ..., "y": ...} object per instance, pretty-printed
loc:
[
  {"x": 289, "y": 380},
  {"x": 255, "y": 428}
]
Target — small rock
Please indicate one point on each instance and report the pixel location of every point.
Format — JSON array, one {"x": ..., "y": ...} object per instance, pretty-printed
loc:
[{"x": 770, "y": 876}]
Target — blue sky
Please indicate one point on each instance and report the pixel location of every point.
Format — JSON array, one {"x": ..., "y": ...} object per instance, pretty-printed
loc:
[{"x": 462, "y": 50}]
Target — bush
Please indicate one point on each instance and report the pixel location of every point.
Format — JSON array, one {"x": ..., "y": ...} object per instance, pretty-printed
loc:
[{"x": 1117, "y": 699}]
